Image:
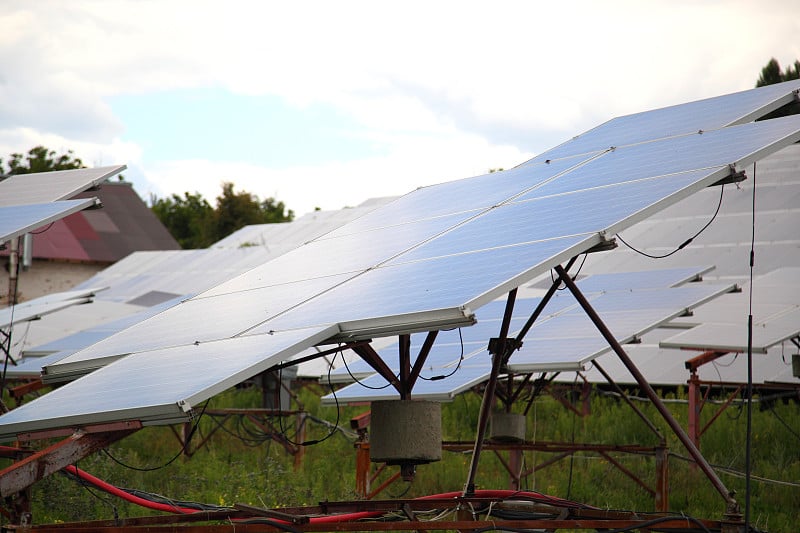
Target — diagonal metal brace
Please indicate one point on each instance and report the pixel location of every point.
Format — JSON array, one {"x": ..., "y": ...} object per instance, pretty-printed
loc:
[{"x": 22, "y": 474}]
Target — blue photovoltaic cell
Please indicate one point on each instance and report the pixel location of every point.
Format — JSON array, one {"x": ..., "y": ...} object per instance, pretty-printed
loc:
[
  {"x": 645, "y": 279},
  {"x": 31, "y": 367},
  {"x": 674, "y": 155},
  {"x": 404, "y": 286},
  {"x": 707, "y": 114},
  {"x": 469, "y": 196},
  {"x": 23, "y": 313},
  {"x": 447, "y": 282},
  {"x": 16, "y": 220},
  {"x": 43, "y": 187},
  {"x": 89, "y": 336},
  {"x": 416, "y": 268},
  {"x": 564, "y": 342},
  {"x": 167, "y": 391},
  {"x": 200, "y": 321},
  {"x": 463, "y": 379},
  {"x": 347, "y": 254}
]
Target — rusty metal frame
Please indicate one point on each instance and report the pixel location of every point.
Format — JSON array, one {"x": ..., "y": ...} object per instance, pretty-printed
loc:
[
  {"x": 732, "y": 506},
  {"x": 470, "y": 514},
  {"x": 258, "y": 416}
]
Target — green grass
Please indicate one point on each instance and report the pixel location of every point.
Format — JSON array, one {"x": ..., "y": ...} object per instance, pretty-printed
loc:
[{"x": 229, "y": 471}]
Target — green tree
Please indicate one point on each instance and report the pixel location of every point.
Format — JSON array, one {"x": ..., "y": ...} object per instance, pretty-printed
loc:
[
  {"x": 189, "y": 219},
  {"x": 195, "y": 224},
  {"x": 39, "y": 159},
  {"x": 771, "y": 73},
  {"x": 238, "y": 209}
]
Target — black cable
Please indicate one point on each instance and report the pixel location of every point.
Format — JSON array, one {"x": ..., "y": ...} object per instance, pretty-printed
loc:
[
  {"x": 355, "y": 379},
  {"x": 335, "y": 427},
  {"x": 785, "y": 424},
  {"x": 659, "y": 520},
  {"x": 13, "y": 304},
  {"x": 158, "y": 498},
  {"x": 50, "y": 225},
  {"x": 153, "y": 468},
  {"x": 687, "y": 241},
  {"x": 748, "y": 439},
  {"x": 574, "y": 278},
  {"x": 572, "y": 455},
  {"x": 456, "y": 369},
  {"x": 85, "y": 484},
  {"x": 273, "y": 523}
]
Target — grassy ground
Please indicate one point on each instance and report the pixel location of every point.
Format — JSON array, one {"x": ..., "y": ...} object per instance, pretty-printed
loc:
[{"x": 238, "y": 466}]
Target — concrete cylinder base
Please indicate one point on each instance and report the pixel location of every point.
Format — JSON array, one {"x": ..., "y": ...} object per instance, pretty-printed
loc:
[
  {"x": 405, "y": 432},
  {"x": 507, "y": 427}
]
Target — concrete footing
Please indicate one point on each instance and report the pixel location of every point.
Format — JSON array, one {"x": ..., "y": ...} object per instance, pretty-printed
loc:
[{"x": 405, "y": 432}]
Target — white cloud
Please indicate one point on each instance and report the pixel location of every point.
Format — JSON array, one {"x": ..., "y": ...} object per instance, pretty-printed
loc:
[
  {"x": 415, "y": 162},
  {"x": 447, "y": 88}
]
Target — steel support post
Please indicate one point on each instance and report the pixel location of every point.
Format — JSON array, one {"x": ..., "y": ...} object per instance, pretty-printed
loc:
[
  {"x": 362, "y": 469},
  {"x": 515, "y": 469},
  {"x": 732, "y": 508},
  {"x": 488, "y": 397},
  {"x": 694, "y": 409},
  {"x": 662, "y": 479},
  {"x": 498, "y": 360}
]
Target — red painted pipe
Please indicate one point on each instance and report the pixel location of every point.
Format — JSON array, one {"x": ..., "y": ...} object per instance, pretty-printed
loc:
[{"x": 348, "y": 517}]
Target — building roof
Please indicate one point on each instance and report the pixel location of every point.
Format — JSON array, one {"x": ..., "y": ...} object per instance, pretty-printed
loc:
[{"x": 124, "y": 225}]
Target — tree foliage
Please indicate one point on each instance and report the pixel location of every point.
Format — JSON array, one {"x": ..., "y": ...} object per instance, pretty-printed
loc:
[
  {"x": 187, "y": 218},
  {"x": 772, "y": 74},
  {"x": 195, "y": 224},
  {"x": 40, "y": 159}
]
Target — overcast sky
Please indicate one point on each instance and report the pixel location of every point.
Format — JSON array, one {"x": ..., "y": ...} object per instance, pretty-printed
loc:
[{"x": 326, "y": 104}]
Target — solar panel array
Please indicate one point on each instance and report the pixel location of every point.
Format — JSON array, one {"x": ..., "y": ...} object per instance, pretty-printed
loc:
[
  {"x": 723, "y": 326},
  {"x": 562, "y": 339},
  {"x": 16, "y": 220},
  {"x": 428, "y": 259},
  {"x": 29, "y": 201}
]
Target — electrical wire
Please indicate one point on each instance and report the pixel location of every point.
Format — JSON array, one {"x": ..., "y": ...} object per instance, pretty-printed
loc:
[
  {"x": 355, "y": 379},
  {"x": 169, "y": 462},
  {"x": 456, "y": 369},
  {"x": 687, "y": 241},
  {"x": 574, "y": 278},
  {"x": 335, "y": 427},
  {"x": 10, "y": 328},
  {"x": 785, "y": 424},
  {"x": 748, "y": 439},
  {"x": 50, "y": 225}
]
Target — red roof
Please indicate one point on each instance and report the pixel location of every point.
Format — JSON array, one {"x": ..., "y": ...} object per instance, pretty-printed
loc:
[{"x": 123, "y": 225}]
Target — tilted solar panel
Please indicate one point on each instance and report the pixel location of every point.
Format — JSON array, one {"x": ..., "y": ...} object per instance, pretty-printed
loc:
[
  {"x": 428, "y": 259},
  {"x": 44, "y": 187},
  {"x": 167, "y": 391},
  {"x": 16, "y": 220}
]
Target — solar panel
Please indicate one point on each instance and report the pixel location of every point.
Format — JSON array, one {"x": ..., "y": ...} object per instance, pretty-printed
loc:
[
  {"x": 89, "y": 336},
  {"x": 438, "y": 269},
  {"x": 565, "y": 341},
  {"x": 710, "y": 113},
  {"x": 16, "y": 220},
  {"x": 24, "y": 313},
  {"x": 31, "y": 367},
  {"x": 44, "y": 187},
  {"x": 226, "y": 311},
  {"x": 734, "y": 337},
  {"x": 428, "y": 259},
  {"x": 642, "y": 279},
  {"x": 167, "y": 392}
]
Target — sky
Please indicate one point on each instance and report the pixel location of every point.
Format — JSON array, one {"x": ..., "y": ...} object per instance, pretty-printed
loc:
[{"x": 327, "y": 104}]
